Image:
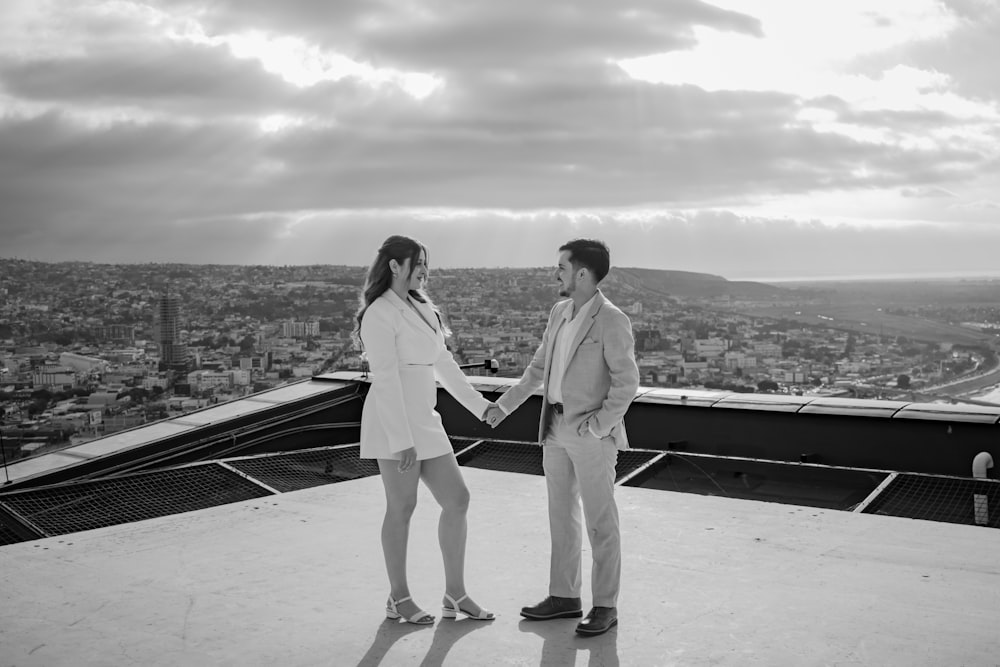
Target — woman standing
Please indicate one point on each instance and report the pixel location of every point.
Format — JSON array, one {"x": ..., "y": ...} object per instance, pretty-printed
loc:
[{"x": 403, "y": 337}]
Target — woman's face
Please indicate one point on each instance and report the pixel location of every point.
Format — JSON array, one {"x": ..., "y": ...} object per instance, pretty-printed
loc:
[{"x": 419, "y": 275}]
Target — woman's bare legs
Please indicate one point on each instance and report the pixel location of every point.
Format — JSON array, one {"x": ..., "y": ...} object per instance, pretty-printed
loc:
[
  {"x": 444, "y": 479},
  {"x": 400, "y": 501}
]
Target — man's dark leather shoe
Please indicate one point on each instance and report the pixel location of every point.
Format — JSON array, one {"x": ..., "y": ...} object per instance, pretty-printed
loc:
[
  {"x": 598, "y": 621},
  {"x": 554, "y": 607}
]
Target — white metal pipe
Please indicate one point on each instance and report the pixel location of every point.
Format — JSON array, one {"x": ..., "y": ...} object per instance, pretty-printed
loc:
[{"x": 982, "y": 462}]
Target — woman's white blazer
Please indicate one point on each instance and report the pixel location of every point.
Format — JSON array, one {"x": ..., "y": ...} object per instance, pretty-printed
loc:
[{"x": 406, "y": 355}]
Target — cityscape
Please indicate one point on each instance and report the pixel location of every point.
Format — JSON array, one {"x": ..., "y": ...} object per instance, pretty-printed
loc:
[{"x": 88, "y": 349}]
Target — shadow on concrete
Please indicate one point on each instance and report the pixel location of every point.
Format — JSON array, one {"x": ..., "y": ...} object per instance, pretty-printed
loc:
[
  {"x": 560, "y": 643},
  {"x": 446, "y": 634}
]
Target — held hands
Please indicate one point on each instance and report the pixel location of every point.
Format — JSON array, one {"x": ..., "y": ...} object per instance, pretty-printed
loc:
[
  {"x": 494, "y": 415},
  {"x": 407, "y": 458}
]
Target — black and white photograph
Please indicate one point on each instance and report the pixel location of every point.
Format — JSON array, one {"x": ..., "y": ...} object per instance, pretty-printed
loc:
[{"x": 436, "y": 332}]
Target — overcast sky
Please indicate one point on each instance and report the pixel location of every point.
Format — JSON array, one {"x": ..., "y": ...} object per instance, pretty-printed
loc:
[{"x": 752, "y": 139}]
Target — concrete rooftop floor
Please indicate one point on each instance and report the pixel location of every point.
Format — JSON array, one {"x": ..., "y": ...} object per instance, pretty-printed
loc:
[{"x": 298, "y": 579}]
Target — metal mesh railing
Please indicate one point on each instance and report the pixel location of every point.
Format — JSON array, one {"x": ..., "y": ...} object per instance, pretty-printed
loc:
[
  {"x": 301, "y": 470},
  {"x": 527, "y": 458},
  {"x": 459, "y": 443},
  {"x": 504, "y": 456},
  {"x": 8, "y": 535},
  {"x": 935, "y": 498},
  {"x": 807, "y": 484},
  {"x": 631, "y": 460},
  {"x": 80, "y": 506}
]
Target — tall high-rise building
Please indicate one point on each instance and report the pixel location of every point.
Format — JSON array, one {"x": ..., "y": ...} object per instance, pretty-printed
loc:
[{"x": 173, "y": 355}]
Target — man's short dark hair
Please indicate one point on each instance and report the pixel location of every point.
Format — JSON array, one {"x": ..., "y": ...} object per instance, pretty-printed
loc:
[{"x": 591, "y": 254}]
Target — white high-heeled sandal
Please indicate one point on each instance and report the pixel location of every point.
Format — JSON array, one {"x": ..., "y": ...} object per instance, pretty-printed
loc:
[
  {"x": 419, "y": 618},
  {"x": 455, "y": 610}
]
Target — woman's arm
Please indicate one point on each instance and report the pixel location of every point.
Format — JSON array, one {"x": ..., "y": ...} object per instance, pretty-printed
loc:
[{"x": 449, "y": 374}]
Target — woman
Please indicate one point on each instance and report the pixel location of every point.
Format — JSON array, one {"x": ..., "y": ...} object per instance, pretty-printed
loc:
[{"x": 403, "y": 337}]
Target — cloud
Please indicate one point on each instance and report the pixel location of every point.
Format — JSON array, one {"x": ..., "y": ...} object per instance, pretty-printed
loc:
[
  {"x": 284, "y": 131},
  {"x": 926, "y": 192},
  {"x": 967, "y": 56},
  {"x": 453, "y": 35},
  {"x": 981, "y": 205}
]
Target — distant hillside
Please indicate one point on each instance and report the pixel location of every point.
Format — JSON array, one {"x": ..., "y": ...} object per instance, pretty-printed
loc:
[{"x": 694, "y": 285}]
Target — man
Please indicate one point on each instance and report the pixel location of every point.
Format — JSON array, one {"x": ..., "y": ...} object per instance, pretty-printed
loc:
[{"x": 586, "y": 366}]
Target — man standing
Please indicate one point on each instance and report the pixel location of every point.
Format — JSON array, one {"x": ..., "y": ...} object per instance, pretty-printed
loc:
[{"x": 586, "y": 364}]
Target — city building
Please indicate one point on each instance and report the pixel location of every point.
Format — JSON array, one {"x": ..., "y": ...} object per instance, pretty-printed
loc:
[
  {"x": 173, "y": 355},
  {"x": 710, "y": 347},
  {"x": 53, "y": 377},
  {"x": 733, "y": 360},
  {"x": 293, "y": 329},
  {"x": 218, "y": 379},
  {"x": 116, "y": 333},
  {"x": 766, "y": 349},
  {"x": 256, "y": 362},
  {"x": 151, "y": 381},
  {"x": 81, "y": 363}
]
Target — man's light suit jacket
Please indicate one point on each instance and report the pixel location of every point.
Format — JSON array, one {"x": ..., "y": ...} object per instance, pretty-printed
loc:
[{"x": 601, "y": 377}]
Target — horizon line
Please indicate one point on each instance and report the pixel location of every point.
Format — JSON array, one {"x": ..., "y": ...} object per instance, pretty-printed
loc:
[{"x": 937, "y": 275}]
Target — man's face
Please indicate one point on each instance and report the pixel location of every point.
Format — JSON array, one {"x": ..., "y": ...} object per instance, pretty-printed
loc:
[{"x": 565, "y": 275}]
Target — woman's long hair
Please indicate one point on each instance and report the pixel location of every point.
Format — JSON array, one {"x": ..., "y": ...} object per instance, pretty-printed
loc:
[{"x": 379, "y": 278}]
